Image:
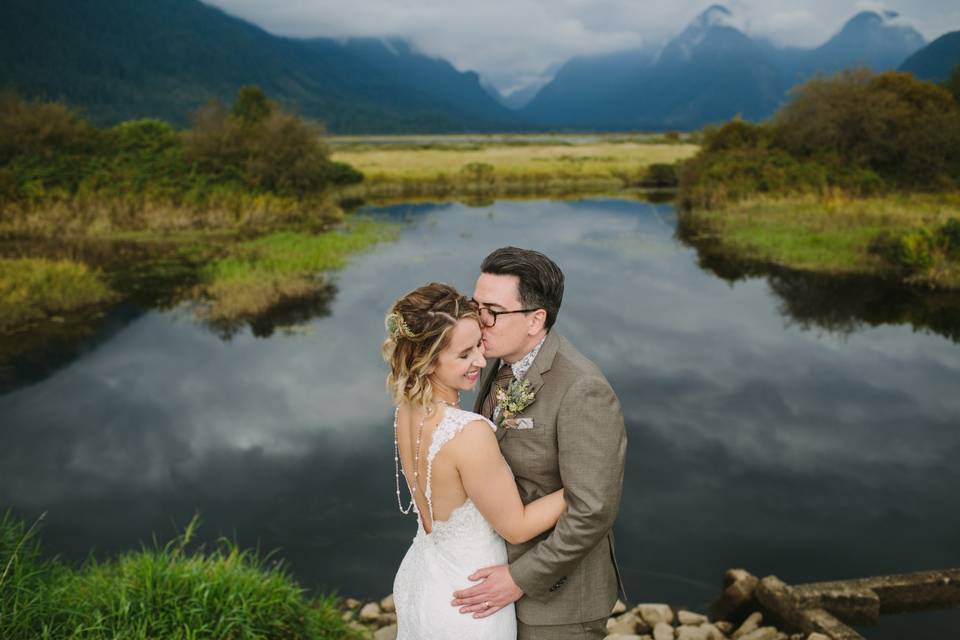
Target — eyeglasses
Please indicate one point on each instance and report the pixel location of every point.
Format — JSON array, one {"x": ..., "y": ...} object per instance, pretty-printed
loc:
[{"x": 489, "y": 317}]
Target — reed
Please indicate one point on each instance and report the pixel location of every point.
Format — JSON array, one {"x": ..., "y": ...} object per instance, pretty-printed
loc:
[
  {"x": 33, "y": 289},
  {"x": 262, "y": 273}
]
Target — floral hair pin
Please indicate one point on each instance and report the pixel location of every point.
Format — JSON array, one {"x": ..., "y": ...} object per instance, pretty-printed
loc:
[{"x": 398, "y": 327}]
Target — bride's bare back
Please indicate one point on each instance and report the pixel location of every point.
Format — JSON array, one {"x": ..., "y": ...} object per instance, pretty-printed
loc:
[
  {"x": 461, "y": 460},
  {"x": 447, "y": 492}
]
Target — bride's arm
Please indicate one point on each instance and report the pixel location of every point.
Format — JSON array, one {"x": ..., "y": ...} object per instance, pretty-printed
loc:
[{"x": 488, "y": 481}]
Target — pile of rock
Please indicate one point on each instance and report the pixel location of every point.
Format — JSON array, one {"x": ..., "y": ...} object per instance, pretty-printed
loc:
[
  {"x": 737, "y": 618},
  {"x": 376, "y": 620},
  {"x": 658, "y": 622}
]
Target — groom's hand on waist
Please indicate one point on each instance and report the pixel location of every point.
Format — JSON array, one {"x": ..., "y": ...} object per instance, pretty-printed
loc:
[{"x": 495, "y": 591}]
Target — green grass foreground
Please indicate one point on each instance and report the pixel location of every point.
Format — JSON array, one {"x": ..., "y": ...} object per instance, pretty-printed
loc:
[
  {"x": 159, "y": 593},
  {"x": 840, "y": 234},
  {"x": 35, "y": 288}
]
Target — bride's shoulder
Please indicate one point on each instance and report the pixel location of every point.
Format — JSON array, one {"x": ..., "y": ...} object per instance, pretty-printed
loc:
[{"x": 465, "y": 419}]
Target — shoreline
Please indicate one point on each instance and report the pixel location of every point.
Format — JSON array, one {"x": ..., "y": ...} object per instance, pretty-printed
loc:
[{"x": 900, "y": 237}]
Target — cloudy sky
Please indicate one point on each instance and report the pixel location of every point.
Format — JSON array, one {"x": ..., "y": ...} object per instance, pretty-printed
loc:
[{"x": 516, "y": 43}]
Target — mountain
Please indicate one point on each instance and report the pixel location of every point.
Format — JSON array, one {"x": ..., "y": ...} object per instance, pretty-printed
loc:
[
  {"x": 937, "y": 60},
  {"x": 583, "y": 85},
  {"x": 875, "y": 40},
  {"x": 710, "y": 72},
  {"x": 166, "y": 58}
]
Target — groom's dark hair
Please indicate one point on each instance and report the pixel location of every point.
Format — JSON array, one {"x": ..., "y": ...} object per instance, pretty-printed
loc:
[{"x": 541, "y": 280}]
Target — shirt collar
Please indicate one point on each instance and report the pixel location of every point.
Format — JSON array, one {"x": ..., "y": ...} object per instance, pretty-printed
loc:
[{"x": 521, "y": 366}]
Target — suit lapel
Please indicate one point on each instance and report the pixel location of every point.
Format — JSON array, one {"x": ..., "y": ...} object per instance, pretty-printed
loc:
[{"x": 542, "y": 363}]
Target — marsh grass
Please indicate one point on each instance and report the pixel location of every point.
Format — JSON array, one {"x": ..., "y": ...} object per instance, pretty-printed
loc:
[
  {"x": 158, "y": 593},
  {"x": 33, "y": 289},
  {"x": 506, "y": 169},
  {"x": 831, "y": 234},
  {"x": 264, "y": 272}
]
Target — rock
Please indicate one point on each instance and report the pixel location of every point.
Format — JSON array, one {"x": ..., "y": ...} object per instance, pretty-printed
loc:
[
  {"x": 654, "y": 613},
  {"x": 618, "y": 608},
  {"x": 734, "y": 575},
  {"x": 817, "y": 636},
  {"x": 662, "y": 631},
  {"x": 387, "y": 605},
  {"x": 386, "y": 633},
  {"x": 691, "y": 618},
  {"x": 765, "y": 633},
  {"x": 725, "y": 626},
  {"x": 370, "y": 612},
  {"x": 625, "y": 624},
  {"x": 352, "y": 603},
  {"x": 689, "y": 632},
  {"x": 712, "y": 632},
  {"x": 737, "y": 594},
  {"x": 620, "y": 636},
  {"x": 347, "y": 616},
  {"x": 752, "y": 623},
  {"x": 387, "y": 619}
]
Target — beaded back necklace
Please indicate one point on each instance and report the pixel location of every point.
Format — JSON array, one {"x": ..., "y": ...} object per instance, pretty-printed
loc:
[{"x": 416, "y": 456}]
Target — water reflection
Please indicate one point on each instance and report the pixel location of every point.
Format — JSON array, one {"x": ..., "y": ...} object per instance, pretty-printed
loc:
[{"x": 753, "y": 442}]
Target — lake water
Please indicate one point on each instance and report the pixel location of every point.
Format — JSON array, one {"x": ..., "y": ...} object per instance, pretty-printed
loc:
[{"x": 771, "y": 425}]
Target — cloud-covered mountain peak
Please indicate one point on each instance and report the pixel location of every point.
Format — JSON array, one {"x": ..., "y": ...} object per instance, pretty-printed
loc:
[{"x": 713, "y": 18}]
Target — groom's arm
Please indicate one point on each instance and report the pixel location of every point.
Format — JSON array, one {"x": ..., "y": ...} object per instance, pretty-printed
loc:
[{"x": 592, "y": 447}]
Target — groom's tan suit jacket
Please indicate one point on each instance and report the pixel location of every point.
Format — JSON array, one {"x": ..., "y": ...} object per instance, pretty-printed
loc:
[{"x": 578, "y": 442}]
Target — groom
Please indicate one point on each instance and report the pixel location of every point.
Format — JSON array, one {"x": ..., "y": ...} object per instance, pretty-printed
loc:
[{"x": 566, "y": 581}]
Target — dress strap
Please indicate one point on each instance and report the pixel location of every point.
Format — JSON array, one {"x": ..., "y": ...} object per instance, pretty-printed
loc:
[{"x": 453, "y": 421}]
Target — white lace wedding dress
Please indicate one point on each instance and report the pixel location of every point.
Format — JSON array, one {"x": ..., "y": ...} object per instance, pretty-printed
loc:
[{"x": 438, "y": 563}]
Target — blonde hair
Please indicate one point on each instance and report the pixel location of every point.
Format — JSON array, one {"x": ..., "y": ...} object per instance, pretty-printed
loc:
[{"x": 418, "y": 329}]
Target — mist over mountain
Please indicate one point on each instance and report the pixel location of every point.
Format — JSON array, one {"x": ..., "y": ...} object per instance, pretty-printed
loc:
[
  {"x": 711, "y": 72},
  {"x": 165, "y": 58}
]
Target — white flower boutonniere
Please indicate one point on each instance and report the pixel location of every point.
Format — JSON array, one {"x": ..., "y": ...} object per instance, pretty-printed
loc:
[{"x": 511, "y": 401}]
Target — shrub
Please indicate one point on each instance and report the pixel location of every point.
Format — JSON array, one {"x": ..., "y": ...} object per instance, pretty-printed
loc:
[
  {"x": 910, "y": 250},
  {"x": 947, "y": 238},
  {"x": 341, "y": 173},
  {"x": 904, "y": 129},
  {"x": 478, "y": 171},
  {"x": 661, "y": 175}
]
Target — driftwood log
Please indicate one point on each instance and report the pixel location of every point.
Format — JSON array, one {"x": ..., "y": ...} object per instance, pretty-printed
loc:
[{"x": 829, "y": 607}]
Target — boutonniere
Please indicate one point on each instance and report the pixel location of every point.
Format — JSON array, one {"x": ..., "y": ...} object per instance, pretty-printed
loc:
[{"x": 511, "y": 401}]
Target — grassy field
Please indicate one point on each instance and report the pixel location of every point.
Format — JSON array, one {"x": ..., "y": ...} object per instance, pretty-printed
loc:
[
  {"x": 507, "y": 166},
  {"x": 838, "y": 234}
]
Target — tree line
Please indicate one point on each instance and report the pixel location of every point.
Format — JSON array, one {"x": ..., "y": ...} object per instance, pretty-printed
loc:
[
  {"x": 49, "y": 152},
  {"x": 858, "y": 131}
]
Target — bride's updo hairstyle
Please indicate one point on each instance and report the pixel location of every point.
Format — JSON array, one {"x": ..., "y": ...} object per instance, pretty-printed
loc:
[{"x": 418, "y": 329}]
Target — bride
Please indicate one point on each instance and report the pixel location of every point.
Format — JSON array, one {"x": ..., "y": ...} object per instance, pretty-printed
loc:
[{"x": 461, "y": 488}]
